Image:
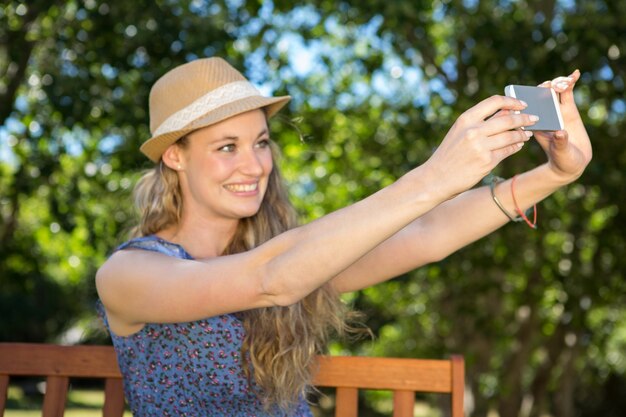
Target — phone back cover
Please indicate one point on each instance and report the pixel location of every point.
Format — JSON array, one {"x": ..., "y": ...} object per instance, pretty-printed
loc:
[{"x": 541, "y": 103}]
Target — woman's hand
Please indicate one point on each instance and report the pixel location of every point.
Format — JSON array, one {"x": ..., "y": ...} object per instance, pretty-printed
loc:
[
  {"x": 569, "y": 150},
  {"x": 477, "y": 142}
]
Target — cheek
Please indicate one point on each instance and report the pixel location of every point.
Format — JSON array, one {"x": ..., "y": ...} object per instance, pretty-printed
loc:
[
  {"x": 217, "y": 169},
  {"x": 268, "y": 163}
]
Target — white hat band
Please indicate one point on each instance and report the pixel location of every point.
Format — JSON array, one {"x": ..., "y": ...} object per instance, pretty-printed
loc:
[{"x": 223, "y": 95}]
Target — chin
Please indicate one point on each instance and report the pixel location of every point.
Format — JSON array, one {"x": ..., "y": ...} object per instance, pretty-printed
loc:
[{"x": 244, "y": 214}]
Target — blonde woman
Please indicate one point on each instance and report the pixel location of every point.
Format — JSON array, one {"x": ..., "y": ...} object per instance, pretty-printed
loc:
[{"x": 220, "y": 304}]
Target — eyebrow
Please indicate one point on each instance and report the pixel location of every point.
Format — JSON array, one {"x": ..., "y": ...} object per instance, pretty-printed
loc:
[{"x": 229, "y": 137}]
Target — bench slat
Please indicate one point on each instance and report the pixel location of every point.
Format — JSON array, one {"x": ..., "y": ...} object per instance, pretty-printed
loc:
[
  {"x": 56, "y": 394},
  {"x": 4, "y": 392},
  {"x": 403, "y": 403},
  {"x": 384, "y": 373},
  {"x": 346, "y": 402},
  {"x": 458, "y": 386},
  {"x": 27, "y": 359},
  {"x": 114, "y": 402}
]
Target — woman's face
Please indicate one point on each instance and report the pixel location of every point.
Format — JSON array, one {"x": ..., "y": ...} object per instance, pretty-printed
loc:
[{"x": 225, "y": 167}]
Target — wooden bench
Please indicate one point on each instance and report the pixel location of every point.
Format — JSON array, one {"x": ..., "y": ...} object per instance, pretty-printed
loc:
[{"x": 402, "y": 376}]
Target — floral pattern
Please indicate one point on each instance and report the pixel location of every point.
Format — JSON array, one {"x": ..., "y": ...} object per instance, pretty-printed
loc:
[{"x": 187, "y": 369}]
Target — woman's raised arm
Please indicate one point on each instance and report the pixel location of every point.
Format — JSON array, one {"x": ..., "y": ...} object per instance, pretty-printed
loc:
[
  {"x": 474, "y": 214},
  {"x": 138, "y": 287}
]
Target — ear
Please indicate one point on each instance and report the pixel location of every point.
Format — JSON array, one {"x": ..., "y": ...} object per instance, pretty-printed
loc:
[{"x": 173, "y": 157}]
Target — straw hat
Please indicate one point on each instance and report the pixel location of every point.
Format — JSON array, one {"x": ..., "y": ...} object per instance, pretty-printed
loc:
[{"x": 199, "y": 94}]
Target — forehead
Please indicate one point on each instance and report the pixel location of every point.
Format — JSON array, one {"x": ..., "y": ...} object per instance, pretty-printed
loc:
[{"x": 248, "y": 124}]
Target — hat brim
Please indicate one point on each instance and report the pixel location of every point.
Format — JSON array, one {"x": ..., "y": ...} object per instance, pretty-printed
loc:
[{"x": 154, "y": 147}]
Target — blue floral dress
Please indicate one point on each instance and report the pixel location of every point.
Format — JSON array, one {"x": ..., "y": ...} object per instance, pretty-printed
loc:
[{"x": 187, "y": 369}]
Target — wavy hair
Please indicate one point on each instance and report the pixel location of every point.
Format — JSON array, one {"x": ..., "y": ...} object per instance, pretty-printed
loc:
[{"x": 281, "y": 343}]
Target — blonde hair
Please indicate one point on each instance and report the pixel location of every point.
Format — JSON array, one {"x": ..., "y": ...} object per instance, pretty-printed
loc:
[{"x": 280, "y": 342}]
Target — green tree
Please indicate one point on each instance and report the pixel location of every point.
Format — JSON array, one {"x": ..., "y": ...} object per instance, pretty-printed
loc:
[
  {"x": 75, "y": 79},
  {"x": 530, "y": 311}
]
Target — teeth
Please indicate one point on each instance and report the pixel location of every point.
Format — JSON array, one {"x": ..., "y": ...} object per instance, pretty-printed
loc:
[{"x": 242, "y": 188}]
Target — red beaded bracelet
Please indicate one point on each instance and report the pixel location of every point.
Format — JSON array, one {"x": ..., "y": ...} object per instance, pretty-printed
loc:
[{"x": 520, "y": 213}]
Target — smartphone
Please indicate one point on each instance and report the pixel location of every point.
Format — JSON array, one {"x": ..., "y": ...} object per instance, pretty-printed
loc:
[{"x": 542, "y": 102}]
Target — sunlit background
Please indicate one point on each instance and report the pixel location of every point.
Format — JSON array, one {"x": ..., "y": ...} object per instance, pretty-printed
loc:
[{"x": 538, "y": 315}]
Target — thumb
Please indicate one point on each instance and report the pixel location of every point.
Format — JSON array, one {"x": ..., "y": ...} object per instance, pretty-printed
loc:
[
  {"x": 544, "y": 139},
  {"x": 567, "y": 96},
  {"x": 560, "y": 139}
]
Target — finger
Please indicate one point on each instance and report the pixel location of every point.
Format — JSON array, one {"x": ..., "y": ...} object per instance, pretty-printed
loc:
[
  {"x": 508, "y": 138},
  {"x": 556, "y": 140},
  {"x": 503, "y": 112},
  {"x": 512, "y": 121},
  {"x": 502, "y": 153},
  {"x": 573, "y": 77},
  {"x": 567, "y": 95},
  {"x": 561, "y": 83},
  {"x": 544, "y": 135},
  {"x": 545, "y": 84},
  {"x": 489, "y": 106}
]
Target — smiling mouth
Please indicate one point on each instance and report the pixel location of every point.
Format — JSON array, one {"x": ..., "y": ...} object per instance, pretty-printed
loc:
[{"x": 242, "y": 188}]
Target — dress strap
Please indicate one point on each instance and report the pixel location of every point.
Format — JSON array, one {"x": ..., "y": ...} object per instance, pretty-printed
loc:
[{"x": 156, "y": 244}]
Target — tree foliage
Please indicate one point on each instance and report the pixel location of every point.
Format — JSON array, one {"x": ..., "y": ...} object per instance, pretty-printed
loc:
[{"x": 376, "y": 84}]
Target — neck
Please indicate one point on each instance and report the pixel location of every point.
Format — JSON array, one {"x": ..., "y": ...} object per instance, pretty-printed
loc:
[{"x": 201, "y": 238}]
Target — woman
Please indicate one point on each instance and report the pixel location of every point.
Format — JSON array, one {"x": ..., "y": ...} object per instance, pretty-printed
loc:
[{"x": 220, "y": 304}]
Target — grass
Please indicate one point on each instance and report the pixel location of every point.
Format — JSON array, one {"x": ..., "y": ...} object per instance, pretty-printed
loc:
[{"x": 80, "y": 403}]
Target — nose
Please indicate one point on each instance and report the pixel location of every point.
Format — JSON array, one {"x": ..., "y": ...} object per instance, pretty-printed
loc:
[{"x": 251, "y": 163}]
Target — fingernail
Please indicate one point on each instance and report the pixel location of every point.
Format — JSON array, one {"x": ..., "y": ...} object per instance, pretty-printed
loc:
[
  {"x": 520, "y": 144},
  {"x": 533, "y": 118},
  {"x": 562, "y": 85},
  {"x": 523, "y": 103},
  {"x": 529, "y": 133}
]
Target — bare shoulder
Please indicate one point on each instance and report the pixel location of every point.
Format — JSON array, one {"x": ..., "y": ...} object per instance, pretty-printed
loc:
[
  {"x": 130, "y": 271},
  {"x": 118, "y": 267},
  {"x": 112, "y": 283},
  {"x": 121, "y": 279},
  {"x": 127, "y": 262}
]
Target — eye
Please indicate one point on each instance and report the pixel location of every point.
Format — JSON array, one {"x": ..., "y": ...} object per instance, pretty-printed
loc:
[
  {"x": 227, "y": 148},
  {"x": 263, "y": 143}
]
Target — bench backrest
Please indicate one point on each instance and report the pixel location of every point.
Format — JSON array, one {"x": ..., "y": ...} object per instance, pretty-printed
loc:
[
  {"x": 404, "y": 377},
  {"x": 348, "y": 374},
  {"x": 58, "y": 364}
]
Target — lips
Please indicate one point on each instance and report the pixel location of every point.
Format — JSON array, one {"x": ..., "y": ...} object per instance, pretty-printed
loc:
[{"x": 242, "y": 188}]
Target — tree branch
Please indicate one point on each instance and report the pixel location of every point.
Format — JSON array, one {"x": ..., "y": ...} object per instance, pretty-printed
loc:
[{"x": 19, "y": 52}]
